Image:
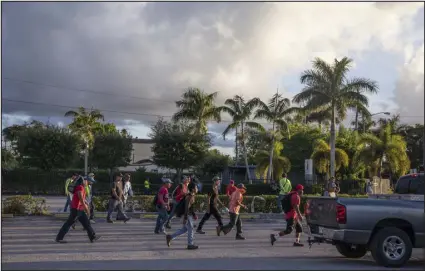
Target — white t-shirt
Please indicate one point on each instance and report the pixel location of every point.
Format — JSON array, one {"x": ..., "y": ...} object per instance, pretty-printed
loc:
[{"x": 127, "y": 187}]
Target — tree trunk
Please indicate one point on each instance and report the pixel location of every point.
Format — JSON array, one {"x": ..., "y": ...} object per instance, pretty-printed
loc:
[
  {"x": 236, "y": 148},
  {"x": 332, "y": 143},
  {"x": 269, "y": 172},
  {"x": 245, "y": 154},
  {"x": 356, "y": 121}
]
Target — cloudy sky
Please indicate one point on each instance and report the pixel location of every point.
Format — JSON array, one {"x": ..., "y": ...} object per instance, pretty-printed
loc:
[{"x": 132, "y": 60}]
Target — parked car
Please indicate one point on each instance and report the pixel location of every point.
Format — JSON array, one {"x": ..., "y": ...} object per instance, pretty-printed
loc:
[{"x": 389, "y": 226}]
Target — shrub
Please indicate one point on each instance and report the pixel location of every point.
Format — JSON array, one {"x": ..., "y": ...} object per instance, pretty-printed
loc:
[{"x": 24, "y": 205}]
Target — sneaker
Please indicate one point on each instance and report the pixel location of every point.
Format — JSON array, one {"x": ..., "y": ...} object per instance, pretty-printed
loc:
[
  {"x": 192, "y": 247},
  {"x": 298, "y": 244},
  {"x": 200, "y": 231},
  {"x": 239, "y": 237},
  {"x": 96, "y": 237},
  {"x": 61, "y": 241},
  {"x": 73, "y": 226},
  {"x": 272, "y": 239},
  {"x": 218, "y": 228},
  {"x": 92, "y": 221},
  {"x": 126, "y": 219},
  {"x": 168, "y": 239}
]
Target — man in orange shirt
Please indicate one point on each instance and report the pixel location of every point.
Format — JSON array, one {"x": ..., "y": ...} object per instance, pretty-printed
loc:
[
  {"x": 234, "y": 207},
  {"x": 293, "y": 217},
  {"x": 230, "y": 188}
]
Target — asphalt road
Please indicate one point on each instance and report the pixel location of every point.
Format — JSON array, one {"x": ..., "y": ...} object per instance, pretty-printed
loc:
[{"x": 28, "y": 243}]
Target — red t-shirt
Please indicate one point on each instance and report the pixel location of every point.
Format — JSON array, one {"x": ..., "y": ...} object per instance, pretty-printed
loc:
[
  {"x": 181, "y": 191},
  {"x": 230, "y": 189},
  {"x": 295, "y": 200},
  {"x": 75, "y": 203},
  {"x": 163, "y": 193}
]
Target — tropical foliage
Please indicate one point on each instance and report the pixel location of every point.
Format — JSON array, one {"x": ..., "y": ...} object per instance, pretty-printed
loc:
[{"x": 280, "y": 163}]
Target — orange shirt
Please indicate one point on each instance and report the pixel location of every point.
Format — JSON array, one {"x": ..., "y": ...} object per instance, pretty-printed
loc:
[{"x": 235, "y": 199}]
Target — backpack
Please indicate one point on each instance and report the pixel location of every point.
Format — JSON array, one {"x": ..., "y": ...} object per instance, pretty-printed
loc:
[
  {"x": 71, "y": 186},
  {"x": 286, "y": 203},
  {"x": 179, "y": 211}
]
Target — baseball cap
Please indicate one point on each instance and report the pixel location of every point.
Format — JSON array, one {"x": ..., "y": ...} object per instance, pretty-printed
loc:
[
  {"x": 241, "y": 186},
  {"x": 232, "y": 182},
  {"x": 216, "y": 178},
  {"x": 299, "y": 187},
  {"x": 91, "y": 174},
  {"x": 166, "y": 180},
  {"x": 89, "y": 179}
]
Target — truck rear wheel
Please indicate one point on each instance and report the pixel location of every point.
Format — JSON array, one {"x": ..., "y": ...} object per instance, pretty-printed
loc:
[
  {"x": 391, "y": 247},
  {"x": 351, "y": 251}
]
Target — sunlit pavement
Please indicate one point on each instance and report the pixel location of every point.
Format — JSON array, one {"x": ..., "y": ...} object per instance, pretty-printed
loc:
[{"x": 28, "y": 243}]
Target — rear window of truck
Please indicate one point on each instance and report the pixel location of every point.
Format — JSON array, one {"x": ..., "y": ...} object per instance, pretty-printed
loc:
[{"x": 410, "y": 185}]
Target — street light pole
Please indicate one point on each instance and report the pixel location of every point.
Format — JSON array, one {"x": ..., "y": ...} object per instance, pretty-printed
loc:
[{"x": 374, "y": 114}]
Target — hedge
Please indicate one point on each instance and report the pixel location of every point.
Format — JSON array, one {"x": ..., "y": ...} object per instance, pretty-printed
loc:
[
  {"x": 145, "y": 203},
  {"x": 24, "y": 205}
]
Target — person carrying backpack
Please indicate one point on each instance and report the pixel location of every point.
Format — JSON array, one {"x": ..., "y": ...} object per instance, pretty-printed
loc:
[
  {"x": 212, "y": 209},
  {"x": 285, "y": 187},
  {"x": 186, "y": 210},
  {"x": 116, "y": 200},
  {"x": 162, "y": 205},
  {"x": 178, "y": 194},
  {"x": 291, "y": 206},
  {"x": 69, "y": 187}
]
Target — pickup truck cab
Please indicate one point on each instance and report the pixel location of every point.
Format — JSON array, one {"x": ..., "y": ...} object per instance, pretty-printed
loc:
[{"x": 389, "y": 226}]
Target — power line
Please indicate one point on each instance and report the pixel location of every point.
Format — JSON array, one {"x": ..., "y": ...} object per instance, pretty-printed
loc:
[{"x": 85, "y": 90}]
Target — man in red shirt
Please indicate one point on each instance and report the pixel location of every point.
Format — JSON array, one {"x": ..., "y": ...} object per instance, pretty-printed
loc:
[
  {"x": 79, "y": 210},
  {"x": 180, "y": 193},
  {"x": 162, "y": 206},
  {"x": 293, "y": 218},
  {"x": 235, "y": 205},
  {"x": 230, "y": 188}
]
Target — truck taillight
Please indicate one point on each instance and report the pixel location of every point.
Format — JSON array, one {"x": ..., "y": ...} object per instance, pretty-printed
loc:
[{"x": 341, "y": 214}]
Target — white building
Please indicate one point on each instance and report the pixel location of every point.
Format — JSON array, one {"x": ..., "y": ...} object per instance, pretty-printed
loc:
[{"x": 142, "y": 157}]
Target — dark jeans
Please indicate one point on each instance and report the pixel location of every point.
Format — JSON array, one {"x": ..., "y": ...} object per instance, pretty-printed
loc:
[
  {"x": 234, "y": 220},
  {"x": 91, "y": 209},
  {"x": 116, "y": 204},
  {"x": 173, "y": 210},
  {"x": 68, "y": 202},
  {"x": 291, "y": 224},
  {"x": 161, "y": 219},
  {"x": 213, "y": 212},
  {"x": 73, "y": 216}
]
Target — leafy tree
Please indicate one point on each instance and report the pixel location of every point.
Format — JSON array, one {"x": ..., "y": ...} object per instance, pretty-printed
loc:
[
  {"x": 280, "y": 163},
  {"x": 197, "y": 106},
  {"x": 176, "y": 146},
  {"x": 275, "y": 112},
  {"x": 111, "y": 150},
  {"x": 241, "y": 111},
  {"x": 414, "y": 136},
  {"x": 385, "y": 146},
  {"x": 47, "y": 147},
  {"x": 347, "y": 140},
  {"x": 8, "y": 159},
  {"x": 328, "y": 87},
  {"x": 321, "y": 157},
  {"x": 256, "y": 141},
  {"x": 214, "y": 163}
]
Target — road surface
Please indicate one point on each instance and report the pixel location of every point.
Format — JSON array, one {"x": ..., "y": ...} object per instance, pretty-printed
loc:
[{"x": 28, "y": 243}]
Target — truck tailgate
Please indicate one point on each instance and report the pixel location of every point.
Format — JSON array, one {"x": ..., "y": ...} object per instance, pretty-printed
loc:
[{"x": 321, "y": 211}]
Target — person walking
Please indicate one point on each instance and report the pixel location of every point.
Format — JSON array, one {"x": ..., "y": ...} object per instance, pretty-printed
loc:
[
  {"x": 285, "y": 187},
  {"x": 162, "y": 206},
  {"x": 212, "y": 208},
  {"x": 128, "y": 190},
  {"x": 179, "y": 194},
  {"x": 230, "y": 188},
  {"x": 89, "y": 193},
  {"x": 293, "y": 217},
  {"x": 116, "y": 200},
  {"x": 188, "y": 218},
  {"x": 79, "y": 211},
  {"x": 234, "y": 207},
  {"x": 332, "y": 188},
  {"x": 68, "y": 194},
  {"x": 147, "y": 186}
]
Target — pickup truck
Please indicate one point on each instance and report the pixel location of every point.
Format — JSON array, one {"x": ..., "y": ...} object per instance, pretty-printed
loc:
[{"x": 389, "y": 226}]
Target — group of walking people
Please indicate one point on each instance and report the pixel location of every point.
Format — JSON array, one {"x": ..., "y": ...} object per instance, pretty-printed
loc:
[{"x": 181, "y": 204}]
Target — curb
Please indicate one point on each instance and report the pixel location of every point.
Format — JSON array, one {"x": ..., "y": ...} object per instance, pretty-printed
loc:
[{"x": 7, "y": 215}]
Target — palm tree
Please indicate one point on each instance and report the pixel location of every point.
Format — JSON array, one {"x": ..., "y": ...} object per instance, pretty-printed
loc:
[
  {"x": 241, "y": 111},
  {"x": 199, "y": 107},
  {"x": 374, "y": 149},
  {"x": 327, "y": 87},
  {"x": 86, "y": 124},
  {"x": 321, "y": 157},
  {"x": 276, "y": 112},
  {"x": 281, "y": 164}
]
